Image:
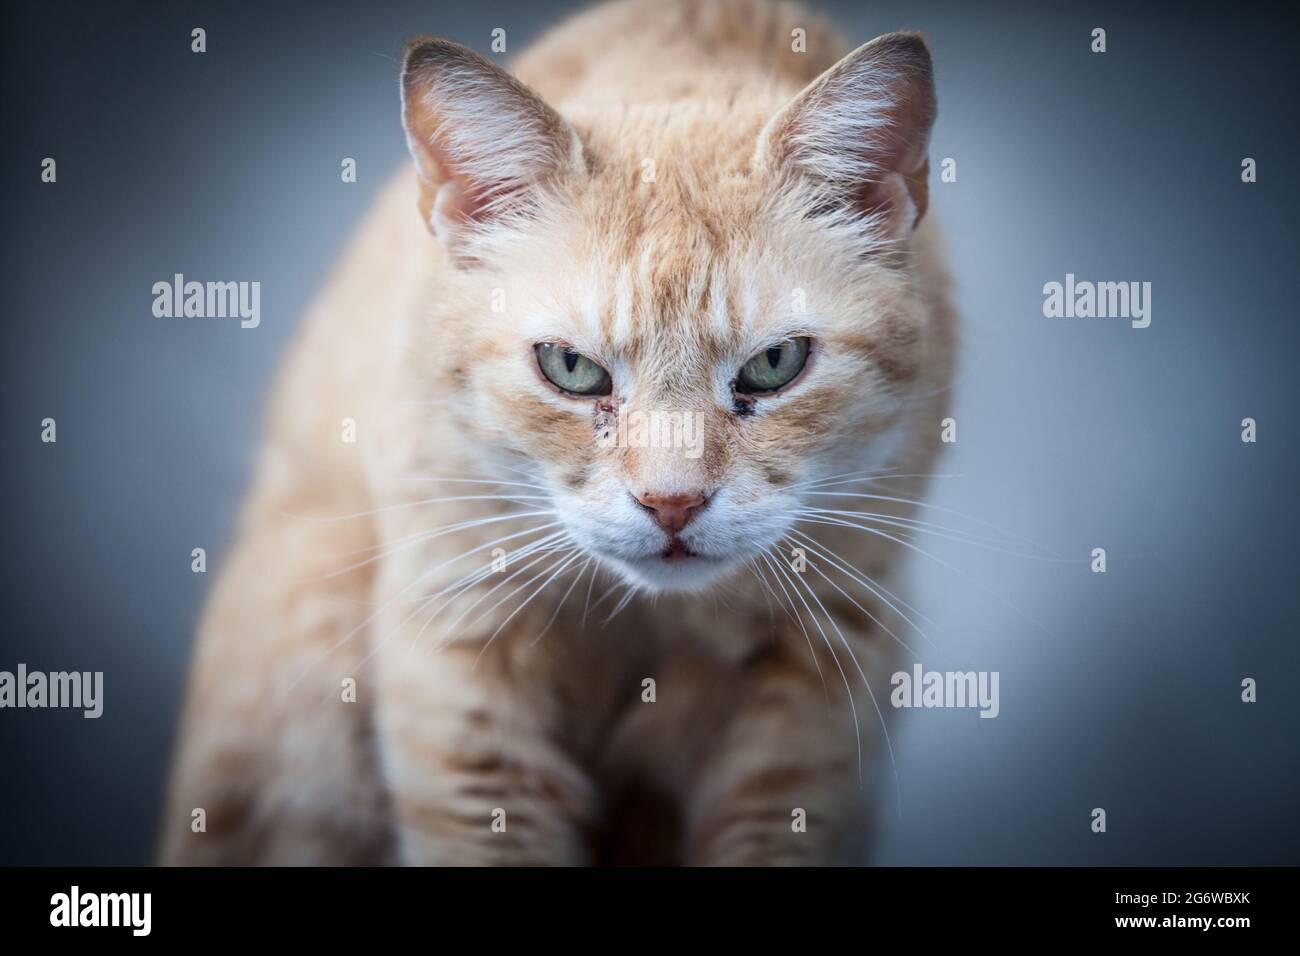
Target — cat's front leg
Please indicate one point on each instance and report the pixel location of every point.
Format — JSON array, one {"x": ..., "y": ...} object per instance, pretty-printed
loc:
[
  {"x": 782, "y": 785},
  {"x": 474, "y": 778}
]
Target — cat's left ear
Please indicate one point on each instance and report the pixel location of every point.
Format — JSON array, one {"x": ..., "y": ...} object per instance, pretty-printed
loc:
[
  {"x": 861, "y": 133},
  {"x": 483, "y": 143}
]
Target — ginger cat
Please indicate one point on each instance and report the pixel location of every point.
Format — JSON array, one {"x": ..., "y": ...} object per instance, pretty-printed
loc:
[{"x": 472, "y": 615}]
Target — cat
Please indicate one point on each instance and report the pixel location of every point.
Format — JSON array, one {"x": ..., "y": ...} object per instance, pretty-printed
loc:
[{"x": 461, "y": 624}]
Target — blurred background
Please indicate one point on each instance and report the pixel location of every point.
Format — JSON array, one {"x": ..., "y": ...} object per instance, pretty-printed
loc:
[{"x": 1118, "y": 690}]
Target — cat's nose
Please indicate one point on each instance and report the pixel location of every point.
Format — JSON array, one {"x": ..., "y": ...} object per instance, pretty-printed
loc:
[{"x": 671, "y": 512}]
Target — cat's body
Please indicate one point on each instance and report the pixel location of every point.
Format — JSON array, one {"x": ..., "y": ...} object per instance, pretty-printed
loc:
[{"x": 487, "y": 734}]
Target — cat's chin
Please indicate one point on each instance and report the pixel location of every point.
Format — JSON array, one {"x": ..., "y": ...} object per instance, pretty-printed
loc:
[{"x": 681, "y": 575}]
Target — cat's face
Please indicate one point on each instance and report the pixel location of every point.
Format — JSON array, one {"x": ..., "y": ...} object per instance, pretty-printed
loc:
[
  {"x": 676, "y": 356},
  {"x": 674, "y": 400}
]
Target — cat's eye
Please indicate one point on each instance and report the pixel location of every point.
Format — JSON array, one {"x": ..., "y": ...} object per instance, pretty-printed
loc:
[
  {"x": 571, "y": 371},
  {"x": 773, "y": 368}
]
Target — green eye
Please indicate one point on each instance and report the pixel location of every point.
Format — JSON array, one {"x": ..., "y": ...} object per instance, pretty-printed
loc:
[
  {"x": 773, "y": 368},
  {"x": 571, "y": 372}
]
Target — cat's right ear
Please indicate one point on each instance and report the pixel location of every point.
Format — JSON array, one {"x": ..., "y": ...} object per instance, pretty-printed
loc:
[
  {"x": 483, "y": 143},
  {"x": 861, "y": 132}
]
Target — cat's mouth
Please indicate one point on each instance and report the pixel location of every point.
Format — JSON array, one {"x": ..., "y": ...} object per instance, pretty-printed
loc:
[
  {"x": 674, "y": 567},
  {"x": 677, "y": 550}
]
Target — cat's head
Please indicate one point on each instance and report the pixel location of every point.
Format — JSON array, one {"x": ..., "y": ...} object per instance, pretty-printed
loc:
[{"x": 679, "y": 316}]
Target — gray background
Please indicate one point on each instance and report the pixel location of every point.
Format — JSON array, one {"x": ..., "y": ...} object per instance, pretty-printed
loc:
[{"x": 1118, "y": 690}]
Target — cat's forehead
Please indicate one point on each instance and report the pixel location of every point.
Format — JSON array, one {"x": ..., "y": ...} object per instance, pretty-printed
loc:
[
  {"x": 679, "y": 287},
  {"x": 690, "y": 303}
]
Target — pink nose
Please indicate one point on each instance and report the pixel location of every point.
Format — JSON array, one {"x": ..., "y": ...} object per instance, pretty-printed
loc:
[{"x": 671, "y": 512}]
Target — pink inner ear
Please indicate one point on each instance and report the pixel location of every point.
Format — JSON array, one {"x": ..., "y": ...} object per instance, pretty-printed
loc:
[
  {"x": 863, "y": 128},
  {"x": 458, "y": 201},
  {"x": 893, "y": 199},
  {"x": 902, "y": 195},
  {"x": 480, "y": 138},
  {"x": 899, "y": 153}
]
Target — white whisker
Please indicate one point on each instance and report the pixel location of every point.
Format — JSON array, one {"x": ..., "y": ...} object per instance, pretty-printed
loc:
[
  {"x": 879, "y": 623},
  {"x": 798, "y": 620},
  {"x": 563, "y": 562},
  {"x": 627, "y": 597},
  {"x": 509, "y": 499},
  {"x": 893, "y": 763},
  {"x": 429, "y": 535},
  {"x": 958, "y": 571},
  {"x": 853, "y": 707},
  {"x": 559, "y": 607},
  {"x": 422, "y": 577},
  {"x": 377, "y": 646},
  {"x": 932, "y": 507}
]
